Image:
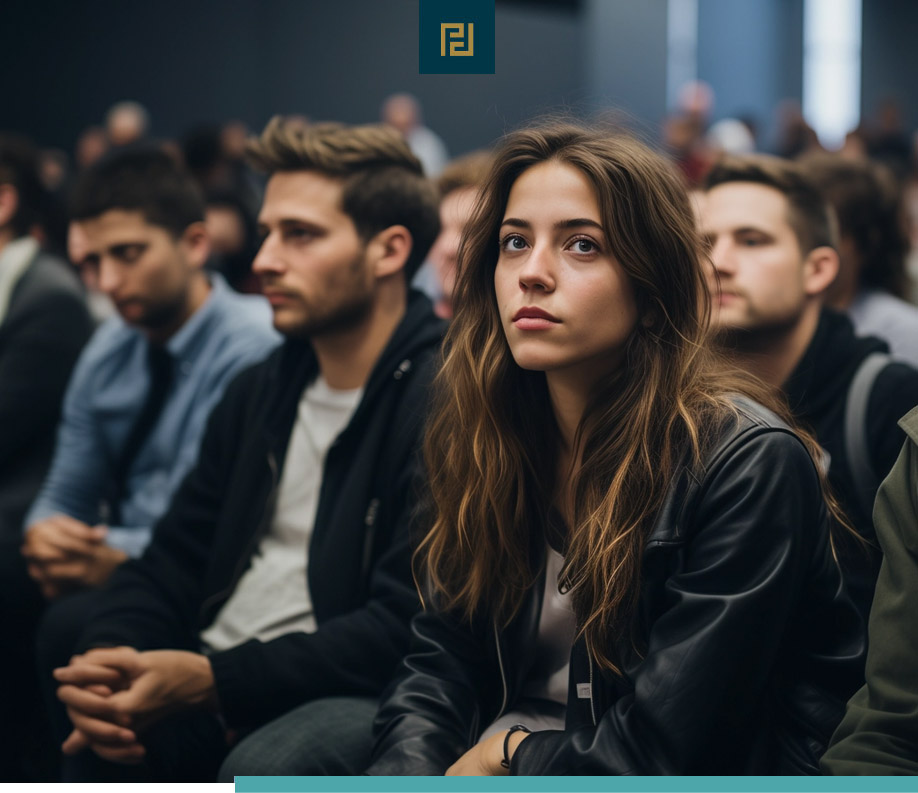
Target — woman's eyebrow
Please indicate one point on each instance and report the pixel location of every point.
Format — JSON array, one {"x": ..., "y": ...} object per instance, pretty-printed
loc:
[{"x": 561, "y": 224}]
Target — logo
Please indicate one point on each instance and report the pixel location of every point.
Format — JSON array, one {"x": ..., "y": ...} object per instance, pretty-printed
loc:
[
  {"x": 453, "y": 31},
  {"x": 456, "y": 37}
]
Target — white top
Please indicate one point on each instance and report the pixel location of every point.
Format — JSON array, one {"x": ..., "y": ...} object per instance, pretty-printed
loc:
[
  {"x": 543, "y": 700},
  {"x": 272, "y": 598}
]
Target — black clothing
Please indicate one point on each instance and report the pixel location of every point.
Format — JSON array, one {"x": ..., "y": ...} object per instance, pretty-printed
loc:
[
  {"x": 45, "y": 327},
  {"x": 749, "y": 646},
  {"x": 42, "y": 332},
  {"x": 358, "y": 572},
  {"x": 817, "y": 390}
]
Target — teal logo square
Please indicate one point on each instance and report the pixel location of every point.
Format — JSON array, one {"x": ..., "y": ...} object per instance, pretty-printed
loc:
[{"x": 456, "y": 37}]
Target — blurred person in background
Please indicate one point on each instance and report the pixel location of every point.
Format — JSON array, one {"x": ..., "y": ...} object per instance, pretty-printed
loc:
[
  {"x": 233, "y": 239},
  {"x": 772, "y": 241},
  {"x": 44, "y": 323},
  {"x": 127, "y": 122},
  {"x": 403, "y": 111},
  {"x": 458, "y": 185},
  {"x": 872, "y": 282}
]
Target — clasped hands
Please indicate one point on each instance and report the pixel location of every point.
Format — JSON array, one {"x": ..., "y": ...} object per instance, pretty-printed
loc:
[
  {"x": 112, "y": 694},
  {"x": 64, "y": 554}
]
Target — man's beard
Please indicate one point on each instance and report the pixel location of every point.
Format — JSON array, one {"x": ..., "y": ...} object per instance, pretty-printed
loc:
[
  {"x": 165, "y": 315},
  {"x": 759, "y": 339},
  {"x": 342, "y": 317}
]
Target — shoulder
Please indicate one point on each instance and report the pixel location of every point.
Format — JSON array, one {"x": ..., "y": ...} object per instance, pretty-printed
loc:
[
  {"x": 108, "y": 351},
  {"x": 754, "y": 464},
  {"x": 895, "y": 390},
  {"x": 49, "y": 277},
  {"x": 752, "y": 424},
  {"x": 909, "y": 424}
]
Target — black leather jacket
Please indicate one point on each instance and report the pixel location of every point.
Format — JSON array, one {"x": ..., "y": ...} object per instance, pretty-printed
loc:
[{"x": 750, "y": 650}]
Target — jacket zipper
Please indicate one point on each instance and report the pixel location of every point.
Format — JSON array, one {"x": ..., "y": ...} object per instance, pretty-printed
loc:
[
  {"x": 256, "y": 538},
  {"x": 592, "y": 707},
  {"x": 370, "y": 522}
]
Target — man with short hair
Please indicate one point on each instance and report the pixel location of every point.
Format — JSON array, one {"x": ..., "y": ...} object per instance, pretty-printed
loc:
[
  {"x": 773, "y": 247},
  {"x": 280, "y": 577},
  {"x": 142, "y": 390}
]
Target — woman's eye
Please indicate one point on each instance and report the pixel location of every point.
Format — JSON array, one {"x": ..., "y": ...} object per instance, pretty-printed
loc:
[
  {"x": 513, "y": 243},
  {"x": 584, "y": 246}
]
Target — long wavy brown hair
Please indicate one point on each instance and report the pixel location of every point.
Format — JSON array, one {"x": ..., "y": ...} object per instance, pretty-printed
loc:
[{"x": 492, "y": 441}]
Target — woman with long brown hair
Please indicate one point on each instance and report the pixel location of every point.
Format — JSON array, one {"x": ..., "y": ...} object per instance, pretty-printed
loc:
[{"x": 626, "y": 552}]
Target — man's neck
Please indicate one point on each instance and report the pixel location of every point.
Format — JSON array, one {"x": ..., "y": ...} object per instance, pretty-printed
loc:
[
  {"x": 773, "y": 356},
  {"x": 346, "y": 358}
]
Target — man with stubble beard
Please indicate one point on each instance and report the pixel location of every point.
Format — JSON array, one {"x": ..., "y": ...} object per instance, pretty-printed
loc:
[
  {"x": 772, "y": 242},
  {"x": 274, "y": 601}
]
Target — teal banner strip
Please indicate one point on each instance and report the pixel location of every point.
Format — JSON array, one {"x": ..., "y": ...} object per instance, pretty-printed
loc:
[{"x": 645, "y": 784}]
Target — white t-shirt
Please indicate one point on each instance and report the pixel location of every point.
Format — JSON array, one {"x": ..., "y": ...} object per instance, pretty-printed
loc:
[{"x": 272, "y": 597}]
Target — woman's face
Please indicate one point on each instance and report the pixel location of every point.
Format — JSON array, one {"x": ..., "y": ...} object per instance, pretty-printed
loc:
[{"x": 565, "y": 303}]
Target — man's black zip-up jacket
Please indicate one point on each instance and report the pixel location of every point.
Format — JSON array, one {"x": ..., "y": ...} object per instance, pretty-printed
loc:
[{"x": 359, "y": 571}]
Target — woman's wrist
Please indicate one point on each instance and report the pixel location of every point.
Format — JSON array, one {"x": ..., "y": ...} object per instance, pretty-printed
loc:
[{"x": 513, "y": 738}]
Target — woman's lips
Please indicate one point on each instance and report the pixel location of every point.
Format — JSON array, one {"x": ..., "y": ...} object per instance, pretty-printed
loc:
[{"x": 532, "y": 318}]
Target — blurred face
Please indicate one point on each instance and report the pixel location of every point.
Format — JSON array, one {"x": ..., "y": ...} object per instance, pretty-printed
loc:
[
  {"x": 225, "y": 228},
  {"x": 455, "y": 210},
  {"x": 312, "y": 263},
  {"x": 147, "y": 273},
  {"x": 756, "y": 255},
  {"x": 565, "y": 303}
]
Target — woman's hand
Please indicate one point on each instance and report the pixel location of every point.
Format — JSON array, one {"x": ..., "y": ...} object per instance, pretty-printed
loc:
[{"x": 483, "y": 759}]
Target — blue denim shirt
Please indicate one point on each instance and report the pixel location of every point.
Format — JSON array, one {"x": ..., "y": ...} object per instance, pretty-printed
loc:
[{"x": 107, "y": 392}]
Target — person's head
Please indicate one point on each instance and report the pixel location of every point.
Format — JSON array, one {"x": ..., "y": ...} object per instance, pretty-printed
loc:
[
  {"x": 873, "y": 244},
  {"x": 142, "y": 222},
  {"x": 347, "y": 219},
  {"x": 21, "y": 192},
  {"x": 458, "y": 186},
  {"x": 771, "y": 237},
  {"x": 402, "y": 111},
  {"x": 233, "y": 237},
  {"x": 596, "y": 231},
  {"x": 126, "y": 122}
]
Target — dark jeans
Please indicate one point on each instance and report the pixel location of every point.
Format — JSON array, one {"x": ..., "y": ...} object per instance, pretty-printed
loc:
[
  {"x": 27, "y": 753},
  {"x": 332, "y": 736}
]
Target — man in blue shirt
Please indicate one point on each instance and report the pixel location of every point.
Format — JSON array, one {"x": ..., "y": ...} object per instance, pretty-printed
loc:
[{"x": 182, "y": 333}]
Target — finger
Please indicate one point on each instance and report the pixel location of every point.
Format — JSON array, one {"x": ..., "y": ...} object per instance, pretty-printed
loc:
[
  {"x": 75, "y": 528},
  {"x": 73, "y": 569},
  {"x": 75, "y": 743},
  {"x": 85, "y": 701},
  {"x": 86, "y": 674},
  {"x": 130, "y": 754},
  {"x": 127, "y": 659},
  {"x": 37, "y": 572},
  {"x": 101, "y": 731},
  {"x": 70, "y": 544},
  {"x": 42, "y": 552}
]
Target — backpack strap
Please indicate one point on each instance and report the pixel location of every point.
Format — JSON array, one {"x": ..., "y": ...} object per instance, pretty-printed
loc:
[{"x": 857, "y": 448}]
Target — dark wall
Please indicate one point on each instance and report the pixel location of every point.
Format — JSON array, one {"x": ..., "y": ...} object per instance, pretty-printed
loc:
[
  {"x": 204, "y": 60},
  {"x": 751, "y": 52},
  {"x": 888, "y": 57},
  {"x": 190, "y": 61},
  {"x": 626, "y": 58}
]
